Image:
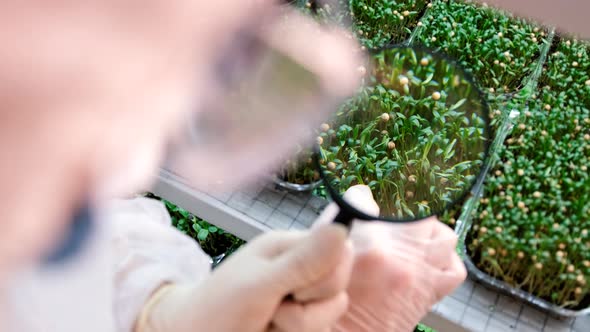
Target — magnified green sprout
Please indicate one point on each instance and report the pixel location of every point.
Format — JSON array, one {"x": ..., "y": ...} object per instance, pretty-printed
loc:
[{"x": 415, "y": 134}]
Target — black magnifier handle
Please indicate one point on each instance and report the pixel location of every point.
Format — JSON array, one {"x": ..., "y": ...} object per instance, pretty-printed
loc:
[{"x": 344, "y": 218}]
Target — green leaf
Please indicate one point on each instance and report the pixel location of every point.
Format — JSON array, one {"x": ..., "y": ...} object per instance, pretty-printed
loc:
[
  {"x": 197, "y": 228},
  {"x": 449, "y": 152},
  {"x": 458, "y": 104},
  {"x": 428, "y": 79},
  {"x": 202, "y": 236}
]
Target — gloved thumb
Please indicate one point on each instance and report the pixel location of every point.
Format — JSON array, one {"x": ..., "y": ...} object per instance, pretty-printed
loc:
[
  {"x": 314, "y": 257},
  {"x": 360, "y": 197}
]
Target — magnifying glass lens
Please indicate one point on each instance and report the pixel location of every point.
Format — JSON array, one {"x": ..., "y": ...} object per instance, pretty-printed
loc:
[{"x": 416, "y": 133}]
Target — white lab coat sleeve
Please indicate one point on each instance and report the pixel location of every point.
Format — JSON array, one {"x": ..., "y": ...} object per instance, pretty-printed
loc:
[{"x": 148, "y": 252}]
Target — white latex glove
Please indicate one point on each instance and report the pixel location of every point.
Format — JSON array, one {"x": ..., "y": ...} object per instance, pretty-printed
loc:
[
  {"x": 400, "y": 270},
  {"x": 247, "y": 292}
]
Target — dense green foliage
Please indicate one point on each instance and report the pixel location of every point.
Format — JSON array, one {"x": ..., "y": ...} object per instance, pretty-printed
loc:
[
  {"x": 213, "y": 240},
  {"x": 383, "y": 22},
  {"x": 499, "y": 50},
  {"x": 532, "y": 226}
]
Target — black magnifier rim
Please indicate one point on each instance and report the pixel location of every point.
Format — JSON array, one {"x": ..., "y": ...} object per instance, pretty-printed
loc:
[{"x": 349, "y": 210}]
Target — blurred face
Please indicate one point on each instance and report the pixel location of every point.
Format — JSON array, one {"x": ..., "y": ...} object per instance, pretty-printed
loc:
[{"x": 93, "y": 91}]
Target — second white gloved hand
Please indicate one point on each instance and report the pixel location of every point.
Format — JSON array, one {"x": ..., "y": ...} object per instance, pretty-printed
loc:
[
  {"x": 400, "y": 270},
  {"x": 247, "y": 292}
]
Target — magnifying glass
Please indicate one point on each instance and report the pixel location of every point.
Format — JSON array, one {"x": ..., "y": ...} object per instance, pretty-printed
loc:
[{"x": 417, "y": 133}]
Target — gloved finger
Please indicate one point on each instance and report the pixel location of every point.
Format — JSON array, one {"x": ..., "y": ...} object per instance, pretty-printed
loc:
[
  {"x": 335, "y": 282},
  {"x": 315, "y": 316},
  {"x": 441, "y": 230},
  {"x": 327, "y": 216},
  {"x": 275, "y": 243},
  {"x": 311, "y": 259},
  {"x": 446, "y": 281},
  {"x": 416, "y": 230},
  {"x": 361, "y": 198},
  {"x": 442, "y": 247}
]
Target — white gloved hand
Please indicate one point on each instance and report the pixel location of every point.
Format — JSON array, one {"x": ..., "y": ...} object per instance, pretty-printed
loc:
[
  {"x": 400, "y": 270},
  {"x": 247, "y": 292}
]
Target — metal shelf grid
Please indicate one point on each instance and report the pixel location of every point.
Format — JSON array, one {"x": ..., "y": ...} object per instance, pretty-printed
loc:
[{"x": 262, "y": 207}]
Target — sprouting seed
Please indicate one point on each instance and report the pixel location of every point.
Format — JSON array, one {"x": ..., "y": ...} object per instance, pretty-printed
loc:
[
  {"x": 575, "y": 63},
  {"x": 588, "y": 82},
  {"x": 436, "y": 95},
  {"x": 331, "y": 165},
  {"x": 391, "y": 145},
  {"x": 520, "y": 255},
  {"x": 325, "y": 127},
  {"x": 406, "y": 13},
  {"x": 433, "y": 39},
  {"x": 571, "y": 268},
  {"x": 491, "y": 251},
  {"x": 520, "y": 172},
  {"x": 537, "y": 194},
  {"x": 404, "y": 80},
  {"x": 320, "y": 140},
  {"x": 385, "y": 117},
  {"x": 362, "y": 70},
  {"x": 539, "y": 266}
]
